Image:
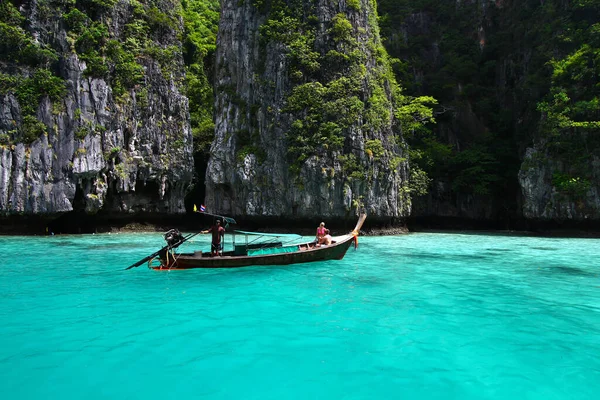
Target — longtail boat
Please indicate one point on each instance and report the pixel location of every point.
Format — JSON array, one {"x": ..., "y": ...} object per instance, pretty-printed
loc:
[{"x": 249, "y": 253}]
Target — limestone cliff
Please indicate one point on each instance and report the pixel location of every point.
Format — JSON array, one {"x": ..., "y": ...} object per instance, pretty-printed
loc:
[
  {"x": 546, "y": 198},
  {"x": 517, "y": 127},
  {"x": 305, "y": 120},
  {"x": 113, "y": 133}
]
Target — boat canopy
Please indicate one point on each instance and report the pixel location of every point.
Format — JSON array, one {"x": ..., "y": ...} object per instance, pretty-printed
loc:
[
  {"x": 272, "y": 250},
  {"x": 281, "y": 235}
]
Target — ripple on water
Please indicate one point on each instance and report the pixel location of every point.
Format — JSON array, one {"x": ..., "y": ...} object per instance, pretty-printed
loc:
[
  {"x": 569, "y": 270},
  {"x": 417, "y": 316}
]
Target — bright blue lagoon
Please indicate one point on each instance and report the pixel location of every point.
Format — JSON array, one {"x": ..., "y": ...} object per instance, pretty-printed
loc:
[{"x": 418, "y": 316}]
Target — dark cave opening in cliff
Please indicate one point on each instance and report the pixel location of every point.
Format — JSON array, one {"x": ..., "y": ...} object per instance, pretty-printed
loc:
[
  {"x": 198, "y": 191},
  {"x": 146, "y": 194},
  {"x": 76, "y": 221}
]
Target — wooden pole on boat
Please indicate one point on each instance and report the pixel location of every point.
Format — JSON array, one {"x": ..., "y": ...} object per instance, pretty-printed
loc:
[
  {"x": 356, "y": 230},
  {"x": 359, "y": 224}
]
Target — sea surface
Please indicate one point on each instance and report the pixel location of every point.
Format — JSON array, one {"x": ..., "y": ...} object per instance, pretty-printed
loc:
[{"x": 416, "y": 316}]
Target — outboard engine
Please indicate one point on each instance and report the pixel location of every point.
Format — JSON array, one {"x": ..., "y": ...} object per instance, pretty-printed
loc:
[{"x": 173, "y": 237}]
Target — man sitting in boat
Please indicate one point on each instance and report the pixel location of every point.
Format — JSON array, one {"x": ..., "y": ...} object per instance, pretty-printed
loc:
[
  {"x": 323, "y": 236},
  {"x": 218, "y": 234}
]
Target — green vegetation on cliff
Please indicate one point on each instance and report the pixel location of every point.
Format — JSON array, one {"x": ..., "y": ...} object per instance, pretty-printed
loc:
[
  {"x": 498, "y": 70},
  {"x": 335, "y": 91},
  {"x": 442, "y": 56},
  {"x": 118, "y": 57},
  {"x": 34, "y": 66},
  {"x": 570, "y": 122},
  {"x": 506, "y": 74},
  {"x": 201, "y": 20},
  {"x": 18, "y": 47}
]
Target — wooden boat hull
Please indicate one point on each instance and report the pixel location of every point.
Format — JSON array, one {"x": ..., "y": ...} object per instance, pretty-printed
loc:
[{"x": 335, "y": 251}]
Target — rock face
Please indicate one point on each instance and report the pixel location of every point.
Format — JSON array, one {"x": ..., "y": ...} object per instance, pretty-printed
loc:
[
  {"x": 427, "y": 34},
  {"x": 119, "y": 153},
  {"x": 544, "y": 201},
  {"x": 317, "y": 81},
  {"x": 493, "y": 59}
]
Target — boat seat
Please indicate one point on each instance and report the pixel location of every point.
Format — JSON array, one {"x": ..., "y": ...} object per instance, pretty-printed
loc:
[{"x": 240, "y": 250}]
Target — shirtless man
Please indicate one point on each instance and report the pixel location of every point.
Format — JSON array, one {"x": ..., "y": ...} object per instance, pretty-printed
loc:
[{"x": 218, "y": 233}]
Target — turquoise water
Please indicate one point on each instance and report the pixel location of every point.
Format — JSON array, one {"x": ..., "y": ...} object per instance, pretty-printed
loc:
[{"x": 419, "y": 316}]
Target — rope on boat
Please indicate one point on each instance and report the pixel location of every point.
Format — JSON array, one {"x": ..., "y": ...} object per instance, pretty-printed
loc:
[
  {"x": 175, "y": 256},
  {"x": 354, "y": 233},
  {"x": 161, "y": 263},
  {"x": 150, "y": 262},
  {"x": 168, "y": 265}
]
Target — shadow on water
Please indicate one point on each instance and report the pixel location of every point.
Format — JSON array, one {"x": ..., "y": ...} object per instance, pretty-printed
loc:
[
  {"x": 80, "y": 243},
  {"x": 65, "y": 243},
  {"x": 440, "y": 256},
  {"x": 369, "y": 281},
  {"x": 494, "y": 254},
  {"x": 565, "y": 270},
  {"x": 544, "y": 248},
  {"x": 495, "y": 250},
  {"x": 107, "y": 246}
]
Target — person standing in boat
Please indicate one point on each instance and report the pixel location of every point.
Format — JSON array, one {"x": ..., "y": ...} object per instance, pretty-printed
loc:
[
  {"x": 323, "y": 236},
  {"x": 218, "y": 235}
]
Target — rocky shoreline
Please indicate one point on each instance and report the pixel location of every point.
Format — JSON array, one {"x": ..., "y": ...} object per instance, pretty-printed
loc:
[{"x": 76, "y": 223}]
